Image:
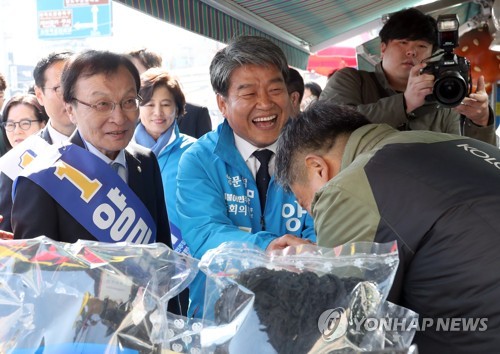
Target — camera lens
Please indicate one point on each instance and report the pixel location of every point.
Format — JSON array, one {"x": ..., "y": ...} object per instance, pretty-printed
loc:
[{"x": 450, "y": 89}]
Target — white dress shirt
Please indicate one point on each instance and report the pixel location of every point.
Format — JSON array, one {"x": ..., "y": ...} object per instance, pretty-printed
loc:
[
  {"x": 57, "y": 138},
  {"x": 246, "y": 150},
  {"x": 122, "y": 171}
]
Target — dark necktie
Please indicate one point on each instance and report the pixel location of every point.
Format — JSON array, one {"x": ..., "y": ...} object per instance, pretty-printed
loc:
[{"x": 262, "y": 178}]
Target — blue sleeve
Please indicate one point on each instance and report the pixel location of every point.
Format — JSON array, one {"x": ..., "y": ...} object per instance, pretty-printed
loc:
[{"x": 202, "y": 210}]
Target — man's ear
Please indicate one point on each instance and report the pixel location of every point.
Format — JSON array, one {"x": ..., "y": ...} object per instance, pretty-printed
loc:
[
  {"x": 294, "y": 97},
  {"x": 39, "y": 95},
  {"x": 383, "y": 47},
  {"x": 317, "y": 167},
  {"x": 221, "y": 102},
  {"x": 70, "y": 110}
]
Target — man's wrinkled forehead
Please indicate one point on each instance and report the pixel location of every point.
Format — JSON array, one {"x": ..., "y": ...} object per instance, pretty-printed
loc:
[
  {"x": 238, "y": 85},
  {"x": 244, "y": 85}
]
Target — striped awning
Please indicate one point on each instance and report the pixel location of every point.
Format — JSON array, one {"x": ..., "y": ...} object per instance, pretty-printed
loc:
[
  {"x": 299, "y": 27},
  {"x": 198, "y": 17}
]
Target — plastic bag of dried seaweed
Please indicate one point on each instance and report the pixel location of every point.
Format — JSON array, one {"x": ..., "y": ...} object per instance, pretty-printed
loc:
[{"x": 301, "y": 299}]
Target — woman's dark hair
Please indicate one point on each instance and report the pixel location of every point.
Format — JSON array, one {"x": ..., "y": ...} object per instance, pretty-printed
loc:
[
  {"x": 28, "y": 100},
  {"x": 153, "y": 78}
]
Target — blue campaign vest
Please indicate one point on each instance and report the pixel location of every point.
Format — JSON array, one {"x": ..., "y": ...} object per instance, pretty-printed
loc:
[{"x": 90, "y": 191}]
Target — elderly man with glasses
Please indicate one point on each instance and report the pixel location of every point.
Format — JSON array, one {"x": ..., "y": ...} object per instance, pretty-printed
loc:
[{"x": 97, "y": 187}]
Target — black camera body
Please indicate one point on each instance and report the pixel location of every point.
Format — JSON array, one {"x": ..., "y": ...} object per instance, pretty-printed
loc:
[{"x": 452, "y": 77}]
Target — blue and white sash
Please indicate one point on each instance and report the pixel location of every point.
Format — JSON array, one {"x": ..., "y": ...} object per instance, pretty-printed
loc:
[
  {"x": 91, "y": 192},
  {"x": 178, "y": 243}
]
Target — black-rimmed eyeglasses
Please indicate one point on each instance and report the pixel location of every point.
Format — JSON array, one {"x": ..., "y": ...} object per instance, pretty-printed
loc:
[
  {"x": 128, "y": 104},
  {"x": 24, "y": 124}
]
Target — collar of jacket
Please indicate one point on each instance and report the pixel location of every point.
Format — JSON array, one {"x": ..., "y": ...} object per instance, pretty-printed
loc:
[
  {"x": 225, "y": 148},
  {"x": 365, "y": 139}
]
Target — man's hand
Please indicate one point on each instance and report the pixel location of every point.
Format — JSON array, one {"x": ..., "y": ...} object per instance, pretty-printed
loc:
[
  {"x": 418, "y": 86},
  {"x": 285, "y": 241},
  {"x": 5, "y": 235},
  {"x": 475, "y": 107}
]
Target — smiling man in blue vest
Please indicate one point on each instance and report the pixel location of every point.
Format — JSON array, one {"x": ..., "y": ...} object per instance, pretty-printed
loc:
[{"x": 225, "y": 188}]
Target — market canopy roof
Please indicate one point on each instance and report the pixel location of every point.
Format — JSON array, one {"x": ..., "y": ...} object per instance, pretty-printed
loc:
[{"x": 298, "y": 27}]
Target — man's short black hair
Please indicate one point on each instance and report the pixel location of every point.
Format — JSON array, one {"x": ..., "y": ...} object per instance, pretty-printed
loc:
[
  {"x": 410, "y": 24},
  {"x": 295, "y": 83},
  {"x": 147, "y": 58},
  {"x": 315, "y": 130},
  {"x": 314, "y": 88},
  {"x": 45, "y": 63}
]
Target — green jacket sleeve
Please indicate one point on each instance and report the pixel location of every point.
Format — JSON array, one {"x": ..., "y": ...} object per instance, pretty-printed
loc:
[{"x": 341, "y": 217}]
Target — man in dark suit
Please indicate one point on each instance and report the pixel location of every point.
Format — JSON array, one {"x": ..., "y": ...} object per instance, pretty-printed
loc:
[
  {"x": 295, "y": 88},
  {"x": 100, "y": 95},
  {"x": 48, "y": 91},
  {"x": 100, "y": 91},
  {"x": 196, "y": 121}
]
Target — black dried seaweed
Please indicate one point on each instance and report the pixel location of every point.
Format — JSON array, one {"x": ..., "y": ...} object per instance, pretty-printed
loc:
[{"x": 288, "y": 304}]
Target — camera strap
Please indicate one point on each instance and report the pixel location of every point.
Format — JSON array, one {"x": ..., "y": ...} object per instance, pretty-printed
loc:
[{"x": 462, "y": 124}]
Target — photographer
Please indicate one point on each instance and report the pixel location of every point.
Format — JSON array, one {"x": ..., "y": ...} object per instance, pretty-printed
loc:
[{"x": 396, "y": 92}]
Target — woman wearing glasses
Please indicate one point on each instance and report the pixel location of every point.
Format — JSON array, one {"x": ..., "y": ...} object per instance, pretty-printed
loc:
[{"x": 22, "y": 116}]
